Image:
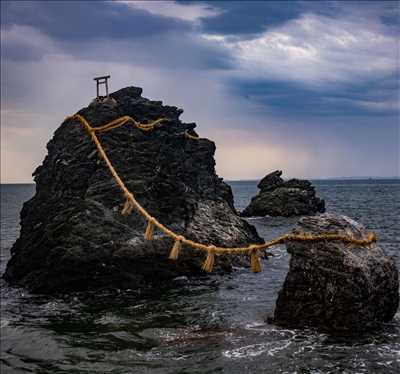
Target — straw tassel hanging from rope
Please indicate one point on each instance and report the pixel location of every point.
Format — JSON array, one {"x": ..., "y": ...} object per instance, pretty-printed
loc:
[
  {"x": 255, "y": 261},
  {"x": 209, "y": 262},
  {"x": 148, "y": 235},
  {"x": 176, "y": 248},
  {"x": 128, "y": 207}
]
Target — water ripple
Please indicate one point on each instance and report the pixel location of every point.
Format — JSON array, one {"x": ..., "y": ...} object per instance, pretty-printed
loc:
[{"x": 208, "y": 325}]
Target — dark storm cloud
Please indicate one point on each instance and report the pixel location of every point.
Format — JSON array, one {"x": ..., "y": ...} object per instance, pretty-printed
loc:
[
  {"x": 250, "y": 17},
  {"x": 244, "y": 18},
  {"x": 86, "y": 20},
  {"x": 105, "y": 31},
  {"x": 313, "y": 59},
  {"x": 374, "y": 98}
]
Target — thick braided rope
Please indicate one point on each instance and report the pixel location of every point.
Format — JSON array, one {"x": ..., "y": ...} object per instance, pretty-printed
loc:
[{"x": 252, "y": 249}]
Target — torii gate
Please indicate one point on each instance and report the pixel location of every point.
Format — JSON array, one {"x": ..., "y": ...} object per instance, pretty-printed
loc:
[{"x": 100, "y": 81}]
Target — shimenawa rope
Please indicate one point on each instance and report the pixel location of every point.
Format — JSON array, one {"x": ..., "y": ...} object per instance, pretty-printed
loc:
[{"x": 131, "y": 204}]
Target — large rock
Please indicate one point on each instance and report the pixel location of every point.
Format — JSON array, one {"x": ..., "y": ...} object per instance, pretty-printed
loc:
[
  {"x": 73, "y": 236},
  {"x": 333, "y": 286},
  {"x": 279, "y": 198}
]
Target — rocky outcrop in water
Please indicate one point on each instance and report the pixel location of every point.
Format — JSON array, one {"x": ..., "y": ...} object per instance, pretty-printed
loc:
[
  {"x": 279, "y": 198},
  {"x": 332, "y": 286},
  {"x": 73, "y": 236}
]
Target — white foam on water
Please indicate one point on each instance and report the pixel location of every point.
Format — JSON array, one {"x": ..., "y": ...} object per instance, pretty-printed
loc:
[
  {"x": 247, "y": 351},
  {"x": 254, "y": 350},
  {"x": 4, "y": 322},
  {"x": 272, "y": 351}
]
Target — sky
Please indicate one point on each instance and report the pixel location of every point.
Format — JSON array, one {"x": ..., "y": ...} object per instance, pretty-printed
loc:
[{"x": 308, "y": 87}]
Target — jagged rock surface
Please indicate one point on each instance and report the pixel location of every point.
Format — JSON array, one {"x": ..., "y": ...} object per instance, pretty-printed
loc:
[
  {"x": 73, "y": 236},
  {"x": 279, "y": 198},
  {"x": 332, "y": 286}
]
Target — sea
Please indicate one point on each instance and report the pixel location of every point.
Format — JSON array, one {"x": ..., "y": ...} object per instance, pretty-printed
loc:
[{"x": 213, "y": 324}]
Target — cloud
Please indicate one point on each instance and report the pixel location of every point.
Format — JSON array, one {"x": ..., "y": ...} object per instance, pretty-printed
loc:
[
  {"x": 87, "y": 20},
  {"x": 316, "y": 51},
  {"x": 176, "y": 50},
  {"x": 376, "y": 97},
  {"x": 24, "y": 37},
  {"x": 19, "y": 42},
  {"x": 379, "y": 106},
  {"x": 250, "y": 18},
  {"x": 243, "y": 18},
  {"x": 192, "y": 12}
]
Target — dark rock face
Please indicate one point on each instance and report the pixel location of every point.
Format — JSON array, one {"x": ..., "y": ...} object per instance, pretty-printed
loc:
[
  {"x": 73, "y": 236},
  {"x": 335, "y": 287},
  {"x": 279, "y": 198}
]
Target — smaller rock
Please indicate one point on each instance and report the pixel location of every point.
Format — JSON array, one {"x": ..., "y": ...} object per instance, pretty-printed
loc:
[
  {"x": 334, "y": 287},
  {"x": 294, "y": 197}
]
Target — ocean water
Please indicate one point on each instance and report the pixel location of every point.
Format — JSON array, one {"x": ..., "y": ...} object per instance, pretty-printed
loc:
[{"x": 214, "y": 324}]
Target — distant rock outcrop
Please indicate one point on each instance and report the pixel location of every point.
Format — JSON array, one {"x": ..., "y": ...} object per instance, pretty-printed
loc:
[
  {"x": 332, "y": 286},
  {"x": 73, "y": 236},
  {"x": 279, "y": 198}
]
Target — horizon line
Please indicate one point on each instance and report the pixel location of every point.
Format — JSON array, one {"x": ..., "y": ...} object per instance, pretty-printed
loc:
[{"x": 258, "y": 179}]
